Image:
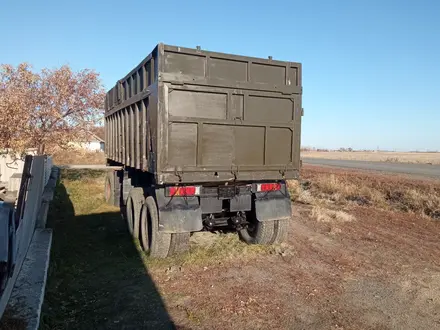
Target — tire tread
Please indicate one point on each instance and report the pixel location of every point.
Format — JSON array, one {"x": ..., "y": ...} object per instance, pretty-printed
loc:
[
  {"x": 135, "y": 200},
  {"x": 160, "y": 242}
]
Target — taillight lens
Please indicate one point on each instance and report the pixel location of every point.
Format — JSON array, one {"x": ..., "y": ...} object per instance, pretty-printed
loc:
[
  {"x": 268, "y": 187},
  {"x": 183, "y": 191}
]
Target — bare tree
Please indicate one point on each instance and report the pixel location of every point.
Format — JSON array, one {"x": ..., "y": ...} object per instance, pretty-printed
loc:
[{"x": 49, "y": 108}]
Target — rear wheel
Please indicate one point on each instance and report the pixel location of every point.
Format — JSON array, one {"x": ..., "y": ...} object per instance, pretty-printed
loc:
[
  {"x": 134, "y": 204},
  {"x": 158, "y": 242},
  {"x": 280, "y": 231},
  {"x": 258, "y": 233},
  {"x": 145, "y": 229},
  {"x": 125, "y": 187},
  {"x": 264, "y": 232}
]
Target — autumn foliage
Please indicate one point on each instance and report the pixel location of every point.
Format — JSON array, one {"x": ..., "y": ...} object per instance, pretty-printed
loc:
[{"x": 48, "y": 108}]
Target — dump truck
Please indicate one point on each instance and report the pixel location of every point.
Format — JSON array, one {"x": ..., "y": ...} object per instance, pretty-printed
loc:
[{"x": 203, "y": 141}]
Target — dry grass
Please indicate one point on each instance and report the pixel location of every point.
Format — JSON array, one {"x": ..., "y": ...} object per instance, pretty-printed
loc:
[
  {"x": 217, "y": 249},
  {"x": 330, "y": 216},
  {"x": 382, "y": 156},
  {"x": 329, "y": 187},
  {"x": 300, "y": 193},
  {"x": 78, "y": 157}
]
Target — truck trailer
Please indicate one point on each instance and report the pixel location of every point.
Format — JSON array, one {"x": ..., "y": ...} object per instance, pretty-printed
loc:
[{"x": 203, "y": 140}]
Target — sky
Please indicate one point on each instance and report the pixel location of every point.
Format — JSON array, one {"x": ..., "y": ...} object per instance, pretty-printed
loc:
[{"x": 371, "y": 69}]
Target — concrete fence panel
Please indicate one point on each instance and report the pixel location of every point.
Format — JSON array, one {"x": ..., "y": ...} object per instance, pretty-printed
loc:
[{"x": 34, "y": 207}]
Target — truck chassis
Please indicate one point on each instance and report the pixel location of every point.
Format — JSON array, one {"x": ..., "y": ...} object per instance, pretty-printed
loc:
[{"x": 162, "y": 218}]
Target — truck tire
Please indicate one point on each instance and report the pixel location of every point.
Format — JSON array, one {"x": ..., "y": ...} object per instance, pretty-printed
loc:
[
  {"x": 265, "y": 232},
  {"x": 112, "y": 189},
  {"x": 258, "y": 232},
  {"x": 125, "y": 187},
  {"x": 145, "y": 229},
  {"x": 159, "y": 242},
  {"x": 135, "y": 201},
  {"x": 281, "y": 230}
]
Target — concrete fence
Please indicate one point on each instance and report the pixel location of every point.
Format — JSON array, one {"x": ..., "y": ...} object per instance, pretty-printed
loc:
[{"x": 23, "y": 223}]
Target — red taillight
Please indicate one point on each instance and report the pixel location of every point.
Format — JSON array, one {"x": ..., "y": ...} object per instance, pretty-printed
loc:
[
  {"x": 183, "y": 191},
  {"x": 268, "y": 187}
]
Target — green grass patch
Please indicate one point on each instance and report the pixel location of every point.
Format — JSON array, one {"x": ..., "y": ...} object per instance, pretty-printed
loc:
[
  {"x": 97, "y": 280},
  {"x": 98, "y": 276}
]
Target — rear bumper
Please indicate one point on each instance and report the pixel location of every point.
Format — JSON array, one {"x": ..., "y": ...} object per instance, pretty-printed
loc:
[
  {"x": 185, "y": 214},
  {"x": 213, "y": 175}
]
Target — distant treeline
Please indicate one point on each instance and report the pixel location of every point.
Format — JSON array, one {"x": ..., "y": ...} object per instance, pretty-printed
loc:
[{"x": 363, "y": 150}]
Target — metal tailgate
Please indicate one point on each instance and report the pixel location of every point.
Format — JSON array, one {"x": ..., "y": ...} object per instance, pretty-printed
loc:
[{"x": 228, "y": 117}]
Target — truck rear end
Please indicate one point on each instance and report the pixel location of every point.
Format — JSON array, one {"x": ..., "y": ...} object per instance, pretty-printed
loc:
[{"x": 211, "y": 139}]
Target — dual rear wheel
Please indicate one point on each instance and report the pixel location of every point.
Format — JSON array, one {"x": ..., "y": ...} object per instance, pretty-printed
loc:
[{"x": 143, "y": 224}]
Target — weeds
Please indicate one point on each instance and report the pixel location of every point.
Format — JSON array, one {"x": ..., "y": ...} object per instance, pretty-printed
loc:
[
  {"x": 78, "y": 157},
  {"x": 319, "y": 187},
  {"x": 377, "y": 156},
  {"x": 216, "y": 249},
  {"x": 82, "y": 174},
  {"x": 326, "y": 215}
]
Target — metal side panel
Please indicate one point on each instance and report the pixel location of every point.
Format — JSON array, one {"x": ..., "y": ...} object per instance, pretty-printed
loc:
[{"x": 127, "y": 113}]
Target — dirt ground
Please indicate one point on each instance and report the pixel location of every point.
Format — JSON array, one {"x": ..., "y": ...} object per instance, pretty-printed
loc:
[
  {"x": 380, "y": 156},
  {"x": 380, "y": 271},
  {"x": 373, "y": 269}
]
